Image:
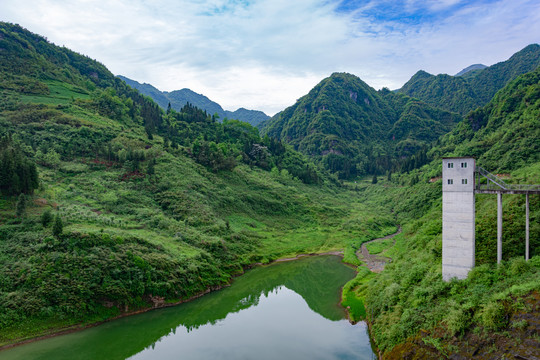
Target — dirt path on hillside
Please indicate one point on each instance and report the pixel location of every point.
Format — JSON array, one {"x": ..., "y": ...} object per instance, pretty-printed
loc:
[{"x": 375, "y": 263}]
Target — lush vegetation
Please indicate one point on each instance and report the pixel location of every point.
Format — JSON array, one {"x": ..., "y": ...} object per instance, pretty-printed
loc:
[
  {"x": 409, "y": 296},
  {"x": 136, "y": 206},
  {"x": 502, "y": 135},
  {"x": 462, "y": 94},
  {"x": 18, "y": 174},
  {"x": 353, "y": 130},
  {"x": 179, "y": 98}
]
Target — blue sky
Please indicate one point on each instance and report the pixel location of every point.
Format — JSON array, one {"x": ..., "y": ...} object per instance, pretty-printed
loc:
[{"x": 263, "y": 54}]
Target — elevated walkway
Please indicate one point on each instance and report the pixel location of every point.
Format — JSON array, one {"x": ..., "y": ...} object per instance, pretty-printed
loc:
[
  {"x": 487, "y": 183},
  {"x": 462, "y": 179}
]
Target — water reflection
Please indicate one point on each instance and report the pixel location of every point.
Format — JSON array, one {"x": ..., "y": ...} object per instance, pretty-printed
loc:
[{"x": 262, "y": 315}]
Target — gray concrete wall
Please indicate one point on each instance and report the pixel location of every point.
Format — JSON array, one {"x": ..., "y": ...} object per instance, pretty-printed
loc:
[{"x": 458, "y": 218}]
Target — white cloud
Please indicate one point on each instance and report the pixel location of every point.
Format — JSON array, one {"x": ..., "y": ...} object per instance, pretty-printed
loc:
[{"x": 265, "y": 54}]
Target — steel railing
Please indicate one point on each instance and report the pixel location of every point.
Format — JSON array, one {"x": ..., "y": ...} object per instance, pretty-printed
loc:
[{"x": 496, "y": 183}]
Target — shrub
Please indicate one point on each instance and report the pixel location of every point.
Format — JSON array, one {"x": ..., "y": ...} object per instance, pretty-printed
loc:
[
  {"x": 458, "y": 320},
  {"x": 494, "y": 316},
  {"x": 21, "y": 206},
  {"x": 58, "y": 226},
  {"x": 519, "y": 266},
  {"x": 46, "y": 218}
]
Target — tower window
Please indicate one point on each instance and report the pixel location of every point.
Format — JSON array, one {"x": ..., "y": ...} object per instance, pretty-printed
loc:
[
  {"x": 450, "y": 165},
  {"x": 464, "y": 181},
  {"x": 450, "y": 181}
]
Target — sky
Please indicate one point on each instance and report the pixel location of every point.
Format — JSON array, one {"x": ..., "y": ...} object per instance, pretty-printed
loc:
[{"x": 265, "y": 54}]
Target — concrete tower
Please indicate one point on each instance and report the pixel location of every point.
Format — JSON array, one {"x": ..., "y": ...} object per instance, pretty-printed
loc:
[{"x": 458, "y": 217}]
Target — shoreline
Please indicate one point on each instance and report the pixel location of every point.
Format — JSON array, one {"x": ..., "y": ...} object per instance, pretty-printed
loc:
[{"x": 80, "y": 327}]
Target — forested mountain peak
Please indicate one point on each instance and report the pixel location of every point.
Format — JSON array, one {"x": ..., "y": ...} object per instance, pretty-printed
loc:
[
  {"x": 421, "y": 74},
  {"x": 179, "y": 98},
  {"x": 473, "y": 86},
  {"x": 352, "y": 129}
]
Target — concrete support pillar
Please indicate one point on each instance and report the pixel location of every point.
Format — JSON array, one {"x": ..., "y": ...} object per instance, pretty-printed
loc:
[
  {"x": 458, "y": 215},
  {"x": 499, "y": 227},
  {"x": 527, "y": 226}
]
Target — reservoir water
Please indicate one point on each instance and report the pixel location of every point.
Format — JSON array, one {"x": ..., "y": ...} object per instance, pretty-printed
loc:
[{"x": 282, "y": 311}]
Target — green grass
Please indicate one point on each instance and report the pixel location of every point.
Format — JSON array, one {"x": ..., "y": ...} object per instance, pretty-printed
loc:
[
  {"x": 377, "y": 247},
  {"x": 410, "y": 295},
  {"x": 354, "y": 294}
]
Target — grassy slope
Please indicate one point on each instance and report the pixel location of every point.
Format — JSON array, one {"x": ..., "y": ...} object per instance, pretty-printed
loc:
[
  {"x": 135, "y": 242},
  {"x": 412, "y": 311}
]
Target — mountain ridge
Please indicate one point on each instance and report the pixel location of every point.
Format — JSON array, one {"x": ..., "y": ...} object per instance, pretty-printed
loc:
[
  {"x": 471, "y": 89},
  {"x": 179, "y": 98},
  {"x": 348, "y": 126}
]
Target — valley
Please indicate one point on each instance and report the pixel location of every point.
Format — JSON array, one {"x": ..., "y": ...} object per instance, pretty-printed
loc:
[{"x": 112, "y": 205}]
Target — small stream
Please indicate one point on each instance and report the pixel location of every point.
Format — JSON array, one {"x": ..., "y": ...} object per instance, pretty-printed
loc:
[{"x": 288, "y": 310}]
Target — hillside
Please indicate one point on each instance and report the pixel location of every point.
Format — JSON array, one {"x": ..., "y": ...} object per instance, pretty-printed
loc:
[
  {"x": 179, "y": 98},
  {"x": 352, "y": 129},
  {"x": 469, "y": 90},
  {"x": 125, "y": 206},
  {"x": 412, "y": 311},
  {"x": 134, "y": 207}
]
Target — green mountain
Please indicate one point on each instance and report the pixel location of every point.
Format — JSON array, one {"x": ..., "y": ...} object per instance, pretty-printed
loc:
[
  {"x": 444, "y": 91},
  {"x": 146, "y": 89},
  {"x": 179, "y": 98},
  {"x": 495, "y": 77},
  {"x": 470, "y": 89},
  {"x": 409, "y": 301},
  {"x": 352, "y": 129},
  {"x": 503, "y": 134},
  {"x": 134, "y": 207}
]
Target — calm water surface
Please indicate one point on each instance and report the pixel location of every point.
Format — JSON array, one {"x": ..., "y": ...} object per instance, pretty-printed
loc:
[{"x": 282, "y": 311}]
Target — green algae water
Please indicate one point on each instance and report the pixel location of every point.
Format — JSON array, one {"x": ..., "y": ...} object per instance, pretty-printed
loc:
[{"x": 288, "y": 310}]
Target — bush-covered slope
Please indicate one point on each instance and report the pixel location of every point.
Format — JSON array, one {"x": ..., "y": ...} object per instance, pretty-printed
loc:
[
  {"x": 352, "y": 129},
  {"x": 465, "y": 93},
  {"x": 502, "y": 135},
  {"x": 412, "y": 311},
  {"x": 447, "y": 92},
  {"x": 179, "y": 98},
  {"x": 135, "y": 207}
]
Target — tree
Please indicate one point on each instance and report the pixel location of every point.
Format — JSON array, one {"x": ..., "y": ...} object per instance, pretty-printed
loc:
[
  {"x": 52, "y": 159},
  {"x": 58, "y": 226},
  {"x": 18, "y": 174},
  {"x": 46, "y": 218},
  {"x": 150, "y": 168},
  {"x": 21, "y": 206},
  {"x": 389, "y": 175}
]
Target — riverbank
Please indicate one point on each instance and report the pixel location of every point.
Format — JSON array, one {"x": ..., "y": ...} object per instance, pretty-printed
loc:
[
  {"x": 80, "y": 327},
  {"x": 156, "y": 303},
  {"x": 354, "y": 292},
  {"x": 376, "y": 263}
]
